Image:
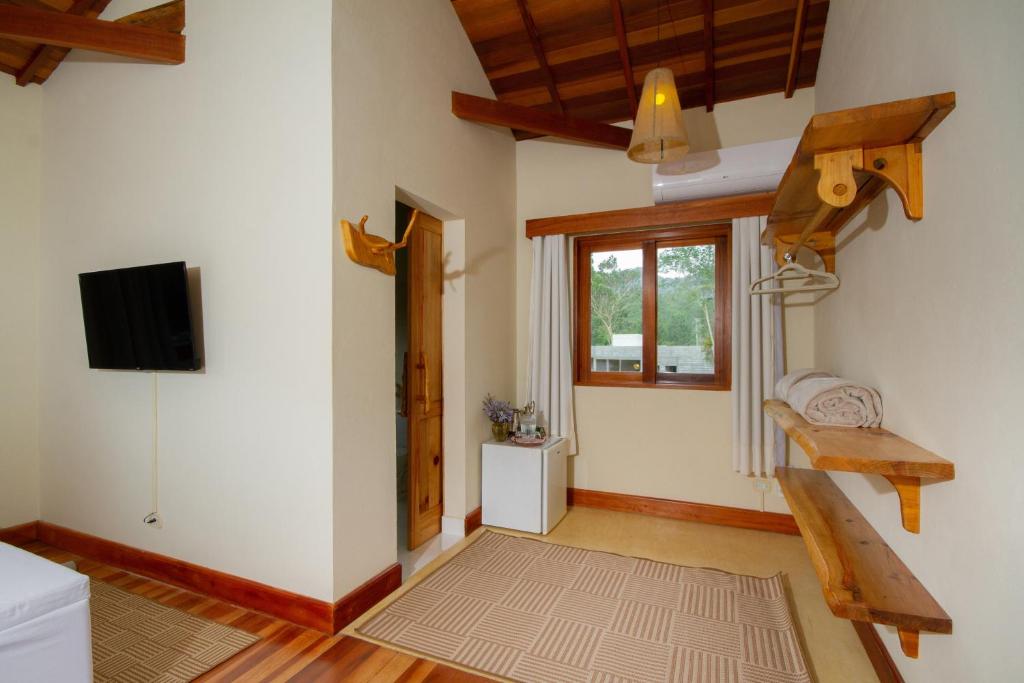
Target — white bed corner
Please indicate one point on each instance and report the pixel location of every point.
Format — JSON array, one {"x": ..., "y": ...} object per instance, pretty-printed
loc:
[{"x": 45, "y": 633}]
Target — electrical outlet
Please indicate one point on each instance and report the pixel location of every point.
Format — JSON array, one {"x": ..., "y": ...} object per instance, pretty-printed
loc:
[
  {"x": 153, "y": 520},
  {"x": 761, "y": 485}
]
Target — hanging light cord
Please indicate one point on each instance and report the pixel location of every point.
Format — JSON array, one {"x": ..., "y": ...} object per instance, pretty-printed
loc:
[{"x": 675, "y": 40}]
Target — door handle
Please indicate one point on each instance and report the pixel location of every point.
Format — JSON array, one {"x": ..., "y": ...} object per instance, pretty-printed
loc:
[
  {"x": 403, "y": 389},
  {"x": 425, "y": 366}
]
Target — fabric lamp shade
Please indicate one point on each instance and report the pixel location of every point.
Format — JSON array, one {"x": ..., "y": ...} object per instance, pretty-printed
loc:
[{"x": 658, "y": 132}]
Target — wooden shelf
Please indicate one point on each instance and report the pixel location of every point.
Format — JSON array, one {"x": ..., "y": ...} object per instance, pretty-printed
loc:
[
  {"x": 873, "y": 451},
  {"x": 844, "y": 160},
  {"x": 861, "y": 577}
]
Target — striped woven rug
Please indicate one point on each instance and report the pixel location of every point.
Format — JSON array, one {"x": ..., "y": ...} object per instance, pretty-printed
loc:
[
  {"x": 525, "y": 610},
  {"x": 138, "y": 640}
]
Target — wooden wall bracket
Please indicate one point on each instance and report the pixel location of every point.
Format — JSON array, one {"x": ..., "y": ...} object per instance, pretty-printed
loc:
[
  {"x": 909, "y": 491},
  {"x": 822, "y": 243},
  {"x": 900, "y": 167},
  {"x": 909, "y": 640}
]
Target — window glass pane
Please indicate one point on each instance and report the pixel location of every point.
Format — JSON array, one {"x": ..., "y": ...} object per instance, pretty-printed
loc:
[
  {"x": 686, "y": 310},
  {"x": 616, "y": 310}
]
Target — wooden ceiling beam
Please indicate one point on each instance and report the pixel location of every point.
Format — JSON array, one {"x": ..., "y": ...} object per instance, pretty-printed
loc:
[
  {"x": 627, "y": 66},
  {"x": 44, "y": 52},
  {"x": 709, "y": 54},
  {"x": 125, "y": 40},
  {"x": 538, "y": 52},
  {"x": 169, "y": 16},
  {"x": 483, "y": 110},
  {"x": 799, "y": 25}
]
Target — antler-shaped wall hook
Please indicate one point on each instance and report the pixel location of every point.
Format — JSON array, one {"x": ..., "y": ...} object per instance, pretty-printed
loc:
[{"x": 374, "y": 251}]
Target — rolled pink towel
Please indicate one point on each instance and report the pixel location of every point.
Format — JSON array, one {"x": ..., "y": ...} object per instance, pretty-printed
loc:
[
  {"x": 824, "y": 399},
  {"x": 783, "y": 386}
]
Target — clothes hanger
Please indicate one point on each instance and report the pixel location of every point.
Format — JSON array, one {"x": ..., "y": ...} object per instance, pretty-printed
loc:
[{"x": 794, "y": 271}]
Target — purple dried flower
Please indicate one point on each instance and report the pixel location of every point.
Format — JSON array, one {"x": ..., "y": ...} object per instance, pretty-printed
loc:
[{"x": 497, "y": 411}]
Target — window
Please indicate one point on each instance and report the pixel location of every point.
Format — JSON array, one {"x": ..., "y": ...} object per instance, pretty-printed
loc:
[{"x": 653, "y": 308}]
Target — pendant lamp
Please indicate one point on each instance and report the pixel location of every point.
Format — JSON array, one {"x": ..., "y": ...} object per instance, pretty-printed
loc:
[{"x": 658, "y": 132}]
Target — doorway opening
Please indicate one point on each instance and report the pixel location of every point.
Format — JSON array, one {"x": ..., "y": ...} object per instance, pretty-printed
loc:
[{"x": 419, "y": 286}]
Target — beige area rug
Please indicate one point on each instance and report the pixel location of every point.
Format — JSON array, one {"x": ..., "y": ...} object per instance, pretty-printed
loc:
[
  {"x": 521, "y": 609},
  {"x": 138, "y": 640}
]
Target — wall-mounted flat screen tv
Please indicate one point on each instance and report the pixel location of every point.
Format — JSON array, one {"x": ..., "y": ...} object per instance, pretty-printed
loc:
[{"x": 139, "y": 318}]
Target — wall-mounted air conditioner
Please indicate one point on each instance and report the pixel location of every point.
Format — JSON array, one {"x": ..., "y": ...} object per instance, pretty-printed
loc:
[{"x": 722, "y": 172}]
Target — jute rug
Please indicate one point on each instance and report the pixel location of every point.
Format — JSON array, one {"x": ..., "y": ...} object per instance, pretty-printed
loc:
[
  {"x": 138, "y": 640},
  {"x": 525, "y": 610}
]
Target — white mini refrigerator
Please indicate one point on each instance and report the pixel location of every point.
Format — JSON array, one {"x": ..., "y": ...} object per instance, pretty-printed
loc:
[{"x": 524, "y": 487}]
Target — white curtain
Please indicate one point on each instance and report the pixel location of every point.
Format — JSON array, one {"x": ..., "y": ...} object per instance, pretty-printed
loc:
[
  {"x": 757, "y": 354},
  {"x": 549, "y": 365}
]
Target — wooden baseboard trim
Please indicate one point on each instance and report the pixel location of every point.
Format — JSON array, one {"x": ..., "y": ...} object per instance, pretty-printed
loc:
[
  {"x": 20, "y": 534},
  {"x": 298, "y": 609},
  {"x": 691, "y": 512},
  {"x": 473, "y": 520},
  {"x": 881, "y": 660},
  {"x": 353, "y": 605}
]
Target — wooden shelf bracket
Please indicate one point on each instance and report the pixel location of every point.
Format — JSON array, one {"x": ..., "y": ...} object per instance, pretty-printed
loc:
[
  {"x": 822, "y": 243},
  {"x": 900, "y": 167},
  {"x": 909, "y": 491},
  {"x": 909, "y": 639}
]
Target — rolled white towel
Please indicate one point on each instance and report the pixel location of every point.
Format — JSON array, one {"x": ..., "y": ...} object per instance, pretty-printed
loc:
[
  {"x": 835, "y": 401},
  {"x": 783, "y": 386}
]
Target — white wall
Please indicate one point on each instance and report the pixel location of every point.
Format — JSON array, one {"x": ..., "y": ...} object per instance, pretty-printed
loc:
[
  {"x": 395, "y": 65},
  {"x": 654, "y": 442},
  {"x": 224, "y": 162},
  {"x": 20, "y": 121},
  {"x": 931, "y": 312}
]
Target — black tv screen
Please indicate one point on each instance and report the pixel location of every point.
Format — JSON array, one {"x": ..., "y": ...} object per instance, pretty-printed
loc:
[{"x": 139, "y": 318}]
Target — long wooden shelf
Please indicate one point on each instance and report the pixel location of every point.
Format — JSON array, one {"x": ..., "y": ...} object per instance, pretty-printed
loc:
[
  {"x": 873, "y": 451},
  {"x": 844, "y": 160},
  {"x": 861, "y": 577}
]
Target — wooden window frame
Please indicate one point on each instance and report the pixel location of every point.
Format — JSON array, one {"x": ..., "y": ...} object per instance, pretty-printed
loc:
[{"x": 650, "y": 241}]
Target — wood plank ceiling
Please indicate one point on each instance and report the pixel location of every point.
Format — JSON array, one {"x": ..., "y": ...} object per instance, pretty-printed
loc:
[{"x": 587, "y": 58}]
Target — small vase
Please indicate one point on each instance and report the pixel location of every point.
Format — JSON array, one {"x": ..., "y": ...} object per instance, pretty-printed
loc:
[{"x": 499, "y": 430}]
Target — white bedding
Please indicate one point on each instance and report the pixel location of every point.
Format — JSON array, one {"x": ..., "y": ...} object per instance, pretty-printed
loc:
[{"x": 45, "y": 634}]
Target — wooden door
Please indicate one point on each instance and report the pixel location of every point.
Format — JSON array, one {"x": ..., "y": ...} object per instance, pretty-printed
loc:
[{"x": 426, "y": 460}]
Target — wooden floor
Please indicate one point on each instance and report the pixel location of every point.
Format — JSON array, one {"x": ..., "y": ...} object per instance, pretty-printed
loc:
[{"x": 287, "y": 652}]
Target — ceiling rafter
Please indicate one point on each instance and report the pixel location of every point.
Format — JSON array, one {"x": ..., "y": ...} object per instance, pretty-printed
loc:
[
  {"x": 57, "y": 28},
  {"x": 44, "y": 52},
  {"x": 483, "y": 110},
  {"x": 169, "y": 16},
  {"x": 799, "y": 26},
  {"x": 538, "y": 51},
  {"x": 709, "y": 54},
  {"x": 627, "y": 66}
]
